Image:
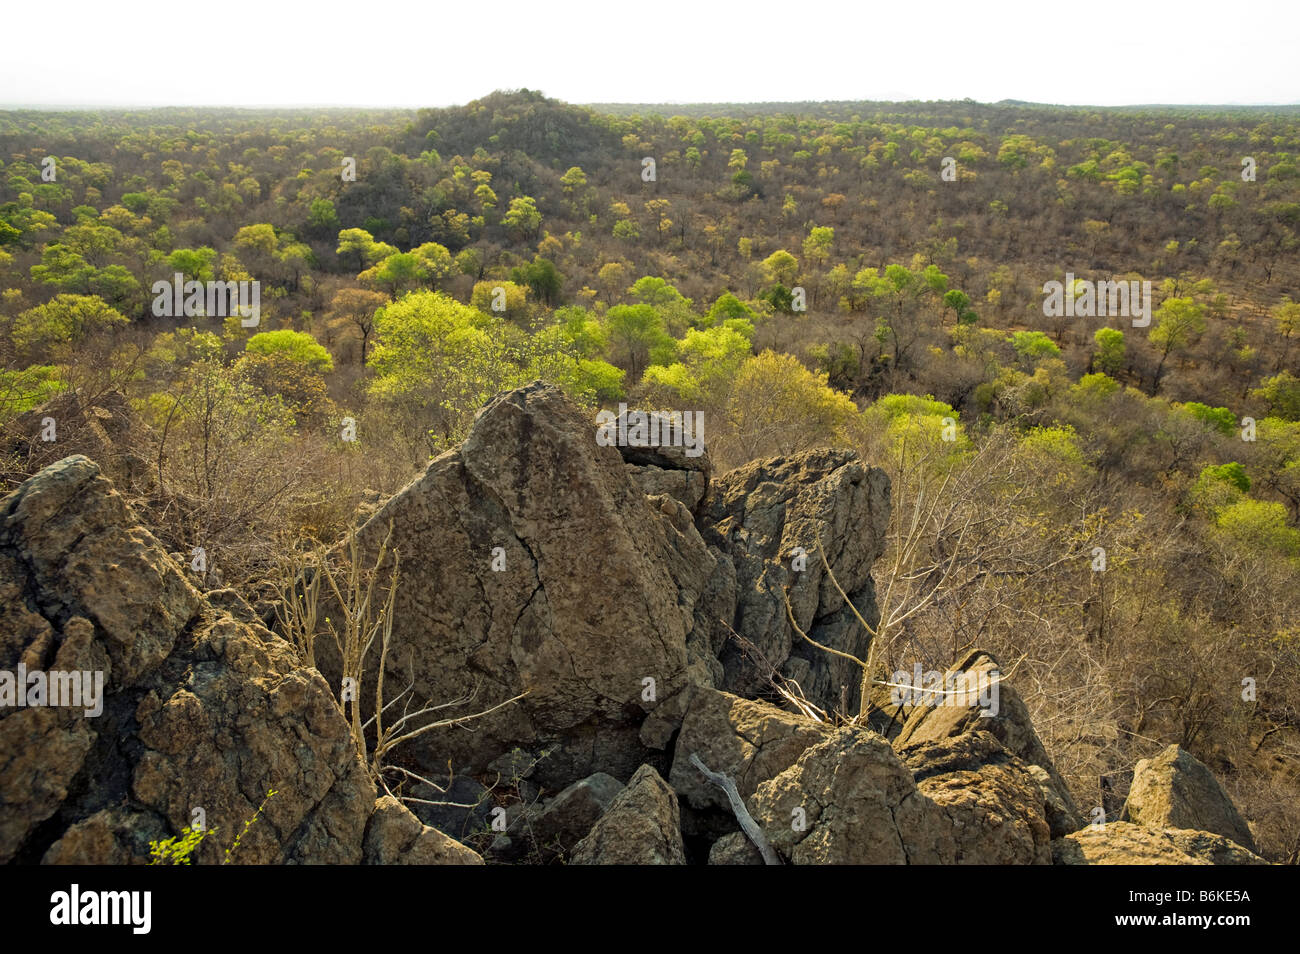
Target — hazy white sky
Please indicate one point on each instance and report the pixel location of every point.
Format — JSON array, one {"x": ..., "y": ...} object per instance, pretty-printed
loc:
[{"x": 343, "y": 52}]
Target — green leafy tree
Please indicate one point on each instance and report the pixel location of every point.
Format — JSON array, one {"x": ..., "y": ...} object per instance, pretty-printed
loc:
[
  {"x": 298, "y": 346},
  {"x": 573, "y": 180},
  {"x": 634, "y": 332},
  {"x": 195, "y": 264},
  {"x": 1179, "y": 323},
  {"x": 727, "y": 306},
  {"x": 1282, "y": 393},
  {"x": 817, "y": 246},
  {"x": 781, "y": 267},
  {"x": 959, "y": 302},
  {"x": 322, "y": 219},
  {"x": 1220, "y": 418},
  {"x": 1108, "y": 357},
  {"x": 1033, "y": 345},
  {"x": 436, "y": 362},
  {"x": 777, "y": 406},
  {"x": 522, "y": 218},
  {"x": 488, "y": 296},
  {"x": 542, "y": 277},
  {"x": 63, "y": 323}
]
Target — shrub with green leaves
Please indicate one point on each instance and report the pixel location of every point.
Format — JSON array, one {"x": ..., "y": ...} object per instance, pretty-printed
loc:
[{"x": 296, "y": 345}]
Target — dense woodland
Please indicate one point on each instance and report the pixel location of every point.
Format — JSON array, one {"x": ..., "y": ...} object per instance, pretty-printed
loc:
[{"x": 1115, "y": 510}]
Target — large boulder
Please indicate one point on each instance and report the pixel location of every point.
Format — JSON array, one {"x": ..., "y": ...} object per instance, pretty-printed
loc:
[
  {"x": 849, "y": 800},
  {"x": 762, "y": 518},
  {"x": 667, "y": 466},
  {"x": 941, "y": 717},
  {"x": 568, "y": 817},
  {"x": 550, "y": 830},
  {"x": 396, "y": 837},
  {"x": 748, "y": 741},
  {"x": 202, "y": 711},
  {"x": 1175, "y": 790},
  {"x": 532, "y": 564},
  {"x": 641, "y": 827},
  {"x": 995, "y": 806},
  {"x": 1125, "y": 843}
]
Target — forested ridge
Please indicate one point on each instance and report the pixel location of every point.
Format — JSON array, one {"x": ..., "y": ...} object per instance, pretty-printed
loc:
[{"x": 1115, "y": 508}]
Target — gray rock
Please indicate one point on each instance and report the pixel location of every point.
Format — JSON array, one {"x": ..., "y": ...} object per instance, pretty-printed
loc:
[
  {"x": 641, "y": 827},
  {"x": 755, "y": 517},
  {"x": 748, "y": 741},
  {"x": 396, "y": 837},
  {"x": 202, "y": 708},
  {"x": 734, "y": 849},
  {"x": 585, "y": 611},
  {"x": 568, "y": 817},
  {"x": 1010, "y": 725},
  {"x": 1175, "y": 790}
]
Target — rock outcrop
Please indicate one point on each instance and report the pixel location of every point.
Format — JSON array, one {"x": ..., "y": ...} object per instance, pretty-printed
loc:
[
  {"x": 531, "y": 563},
  {"x": 641, "y": 827},
  {"x": 849, "y": 799},
  {"x": 535, "y": 561},
  {"x": 396, "y": 837},
  {"x": 202, "y": 712},
  {"x": 748, "y": 741},
  {"x": 1007, "y": 720},
  {"x": 770, "y": 516},
  {"x": 1124, "y": 843},
  {"x": 1175, "y": 790},
  {"x": 634, "y": 601},
  {"x": 671, "y": 469}
]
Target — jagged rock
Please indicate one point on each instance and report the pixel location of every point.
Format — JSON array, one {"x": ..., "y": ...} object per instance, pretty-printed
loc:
[
  {"x": 113, "y": 836},
  {"x": 755, "y": 517},
  {"x": 667, "y": 454},
  {"x": 994, "y": 802},
  {"x": 641, "y": 827},
  {"x": 748, "y": 741},
  {"x": 201, "y": 709},
  {"x": 669, "y": 468},
  {"x": 848, "y": 800},
  {"x": 586, "y": 610},
  {"x": 569, "y": 816},
  {"x": 396, "y": 837},
  {"x": 705, "y": 582},
  {"x": 552, "y": 829},
  {"x": 1010, "y": 725},
  {"x": 685, "y": 486},
  {"x": 734, "y": 849},
  {"x": 665, "y": 720},
  {"x": 1126, "y": 843},
  {"x": 1176, "y": 790},
  {"x": 1062, "y": 818}
]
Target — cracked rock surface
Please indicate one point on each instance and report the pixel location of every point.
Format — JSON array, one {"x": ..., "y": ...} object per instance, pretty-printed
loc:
[{"x": 201, "y": 710}]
